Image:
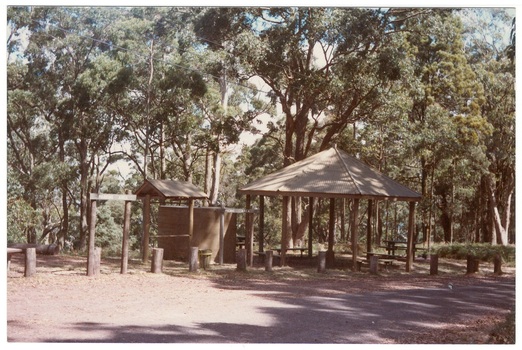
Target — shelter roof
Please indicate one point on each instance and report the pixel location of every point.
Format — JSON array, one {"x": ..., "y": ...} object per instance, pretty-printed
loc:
[
  {"x": 328, "y": 174},
  {"x": 170, "y": 189}
]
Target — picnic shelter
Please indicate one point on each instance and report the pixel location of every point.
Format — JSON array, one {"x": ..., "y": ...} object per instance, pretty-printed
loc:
[{"x": 330, "y": 174}]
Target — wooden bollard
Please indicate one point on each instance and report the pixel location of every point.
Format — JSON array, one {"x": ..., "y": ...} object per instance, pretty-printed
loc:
[
  {"x": 497, "y": 264},
  {"x": 157, "y": 260},
  {"x": 321, "y": 261},
  {"x": 374, "y": 264},
  {"x": 241, "y": 260},
  {"x": 330, "y": 259},
  {"x": 30, "y": 262},
  {"x": 193, "y": 259},
  {"x": 472, "y": 265},
  {"x": 434, "y": 264},
  {"x": 269, "y": 257}
]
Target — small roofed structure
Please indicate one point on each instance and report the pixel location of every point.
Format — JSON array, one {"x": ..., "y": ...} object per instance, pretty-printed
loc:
[
  {"x": 333, "y": 174},
  {"x": 163, "y": 190},
  {"x": 169, "y": 189}
]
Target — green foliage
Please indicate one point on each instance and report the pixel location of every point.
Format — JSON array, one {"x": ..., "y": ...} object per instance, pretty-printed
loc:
[
  {"x": 22, "y": 221},
  {"x": 483, "y": 251}
]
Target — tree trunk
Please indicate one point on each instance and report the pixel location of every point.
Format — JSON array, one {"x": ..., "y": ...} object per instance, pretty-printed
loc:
[
  {"x": 501, "y": 224},
  {"x": 43, "y": 249},
  {"x": 64, "y": 188},
  {"x": 84, "y": 193},
  {"x": 214, "y": 193},
  {"x": 208, "y": 174}
]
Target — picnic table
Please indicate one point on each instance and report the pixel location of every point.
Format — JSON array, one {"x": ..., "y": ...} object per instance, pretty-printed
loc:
[
  {"x": 299, "y": 249},
  {"x": 393, "y": 246}
]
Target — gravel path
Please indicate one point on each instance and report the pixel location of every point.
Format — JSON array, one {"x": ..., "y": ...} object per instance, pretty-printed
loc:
[{"x": 64, "y": 306}]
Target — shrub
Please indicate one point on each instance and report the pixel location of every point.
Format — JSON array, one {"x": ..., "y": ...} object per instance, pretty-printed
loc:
[{"x": 483, "y": 251}]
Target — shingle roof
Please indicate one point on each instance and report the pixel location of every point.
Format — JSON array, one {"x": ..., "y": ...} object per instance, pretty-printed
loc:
[
  {"x": 331, "y": 173},
  {"x": 170, "y": 189}
]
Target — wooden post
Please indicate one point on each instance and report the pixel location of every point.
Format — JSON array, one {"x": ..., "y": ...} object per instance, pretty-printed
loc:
[
  {"x": 284, "y": 236},
  {"x": 310, "y": 226},
  {"x": 193, "y": 259},
  {"x": 269, "y": 256},
  {"x": 97, "y": 261},
  {"x": 191, "y": 223},
  {"x": 261, "y": 235},
  {"x": 125, "y": 240},
  {"x": 374, "y": 264},
  {"x": 242, "y": 260},
  {"x": 321, "y": 261},
  {"x": 472, "y": 265},
  {"x": 146, "y": 229},
  {"x": 330, "y": 255},
  {"x": 369, "y": 227},
  {"x": 249, "y": 239},
  {"x": 30, "y": 262},
  {"x": 221, "y": 234},
  {"x": 497, "y": 264},
  {"x": 355, "y": 235},
  {"x": 434, "y": 264},
  {"x": 157, "y": 260},
  {"x": 409, "y": 248},
  {"x": 92, "y": 229}
]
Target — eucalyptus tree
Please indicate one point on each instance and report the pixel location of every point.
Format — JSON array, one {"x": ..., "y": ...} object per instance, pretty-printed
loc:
[
  {"x": 492, "y": 58},
  {"x": 325, "y": 67},
  {"x": 445, "y": 122},
  {"x": 162, "y": 117},
  {"x": 232, "y": 102},
  {"x": 72, "y": 82}
]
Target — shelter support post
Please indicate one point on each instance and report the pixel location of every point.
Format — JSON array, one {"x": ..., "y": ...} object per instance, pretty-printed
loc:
[
  {"x": 330, "y": 255},
  {"x": 191, "y": 222},
  {"x": 221, "y": 234},
  {"x": 355, "y": 236},
  {"x": 369, "y": 227},
  {"x": 261, "y": 238},
  {"x": 310, "y": 225},
  {"x": 249, "y": 226},
  {"x": 411, "y": 225},
  {"x": 146, "y": 228},
  {"x": 284, "y": 235},
  {"x": 92, "y": 230},
  {"x": 125, "y": 239}
]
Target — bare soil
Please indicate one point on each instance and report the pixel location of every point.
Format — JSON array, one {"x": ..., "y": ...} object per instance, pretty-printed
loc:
[{"x": 292, "y": 304}]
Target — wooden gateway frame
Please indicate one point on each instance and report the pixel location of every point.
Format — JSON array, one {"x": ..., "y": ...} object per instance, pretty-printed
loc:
[{"x": 93, "y": 257}]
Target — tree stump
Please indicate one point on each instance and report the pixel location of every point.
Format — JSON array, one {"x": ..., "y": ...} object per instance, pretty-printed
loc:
[
  {"x": 321, "y": 261},
  {"x": 30, "y": 262},
  {"x": 374, "y": 264},
  {"x": 434, "y": 264},
  {"x": 269, "y": 256},
  {"x": 193, "y": 259},
  {"x": 157, "y": 260},
  {"x": 241, "y": 260},
  {"x": 497, "y": 264}
]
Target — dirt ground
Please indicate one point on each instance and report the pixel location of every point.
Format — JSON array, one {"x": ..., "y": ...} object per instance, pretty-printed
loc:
[{"x": 293, "y": 304}]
